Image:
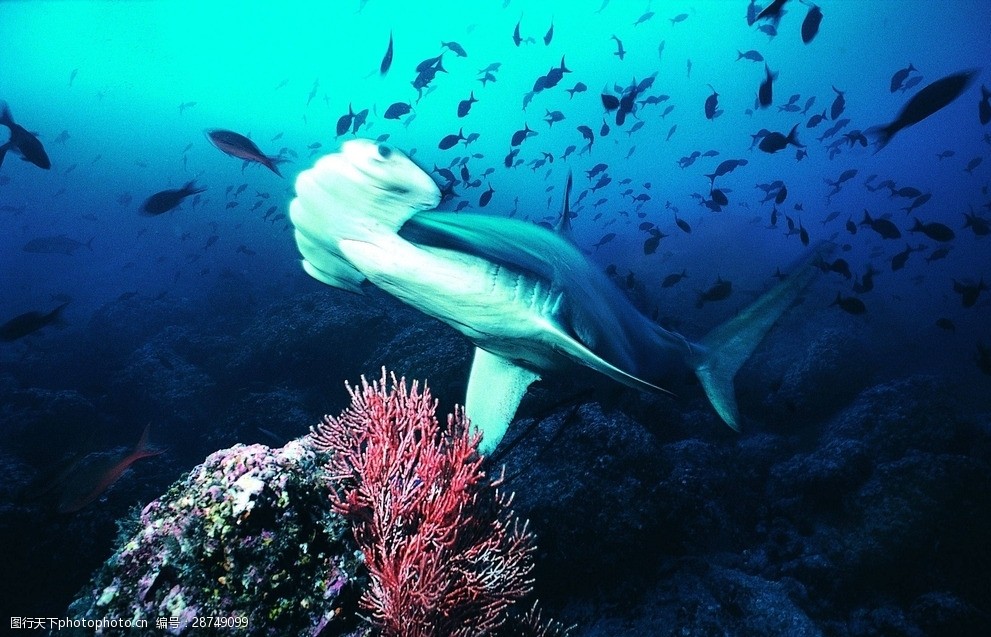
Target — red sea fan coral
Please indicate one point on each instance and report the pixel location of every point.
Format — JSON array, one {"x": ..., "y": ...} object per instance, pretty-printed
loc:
[{"x": 445, "y": 554}]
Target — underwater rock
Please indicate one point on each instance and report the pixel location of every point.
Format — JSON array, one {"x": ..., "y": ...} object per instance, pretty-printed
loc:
[
  {"x": 425, "y": 348},
  {"x": 590, "y": 493},
  {"x": 250, "y": 536},
  {"x": 39, "y": 423},
  {"x": 119, "y": 327},
  {"x": 909, "y": 413},
  {"x": 805, "y": 379},
  {"x": 326, "y": 334},
  {"x": 157, "y": 379}
]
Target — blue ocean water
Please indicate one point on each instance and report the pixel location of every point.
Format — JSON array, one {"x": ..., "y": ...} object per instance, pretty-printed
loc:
[{"x": 120, "y": 94}]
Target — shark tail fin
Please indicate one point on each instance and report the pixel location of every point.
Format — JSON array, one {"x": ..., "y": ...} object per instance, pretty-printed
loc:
[{"x": 726, "y": 348}]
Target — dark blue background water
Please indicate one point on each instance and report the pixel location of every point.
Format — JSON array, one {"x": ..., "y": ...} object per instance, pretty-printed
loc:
[{"x": 120, "y": 93}]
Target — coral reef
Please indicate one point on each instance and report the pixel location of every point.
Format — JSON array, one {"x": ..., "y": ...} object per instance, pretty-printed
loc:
[
  {"x": 249, "y": 535},
  {"x": 446, "y": 555}
]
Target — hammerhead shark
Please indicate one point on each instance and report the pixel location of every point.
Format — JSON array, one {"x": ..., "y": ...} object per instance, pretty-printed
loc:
[{"x": 525, "y": 295}]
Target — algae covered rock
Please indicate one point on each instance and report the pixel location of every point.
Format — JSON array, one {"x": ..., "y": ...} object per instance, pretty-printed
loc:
[{"x": 247, "y": 538}]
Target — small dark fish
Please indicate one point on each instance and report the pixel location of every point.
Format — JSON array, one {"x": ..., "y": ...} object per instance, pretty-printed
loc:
[
  {"x": 969, "y": 292},
  {"x": 934, "y": 230},
  {"x": 980, "y": 225},
  {"x": 899, "y": 77},
  {"x": 647, "y": 16},
  {"x": 673, "y": 279},
  {"x": 883, "y": 227},
  {"x": 926, "y": 102},
  {"x": 606, "y": 238},
  {"x": 938, "y": 253},
  {"x": 839, "y": 104},
  {"x": 486, "y": 197},
  {"x": 653, "y": 241},
  {"x": 60, "y": 244},
  {"x": 898, "y": 261},
  {"x": 984, "y": 106},
  {"x": 516, "y": 33},
  {"x": 168, "y": 199},
  {"x": 28, "y": 323},
  {"x": 681, "y": 223},
  {"x": 30, "y": 148},
  {"x": 983, "y": 359},
  {"x": 619, "y": 52},
  {"x": 766, "y": 90},
  {"x": 810, "y": 26},
  {"x": 681, "y": 17},
  {"x": 344, "y": 121},
  {"x": 972, "y": 164},
  {"x": 549, "y": 35},
  {"x": 946, "y": 324},
  {"x": 719, "y": 197},
  {"x": 851, "y": 227},
  {"x": 387, "y": 58},
  {"x": 711, "y": 104},
  {"x": 521, "y": 134},
  {"x": 840, "y": 266},
  {"x": 465, "y": 105},
  {"x": 718, "y": 291},
  {"x": 849, "y": 304},
  {"x": 752, "y": 55},
  {"x": 455, "y": 48},
  {"x": 578, "y": 88},
  {"x": 587, "y": 134},
  {"x": 511, "y": 157},
  {"x": 450, "y": 141},
  {"x": 236, "y": 145},
  {"x": 782, "y": 195},
  {"x": 397, "y": 110},
  {"x": 773, "y": 142}
]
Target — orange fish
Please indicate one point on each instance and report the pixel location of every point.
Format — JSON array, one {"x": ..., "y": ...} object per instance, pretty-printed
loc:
[{"x": 91, "y": 481}]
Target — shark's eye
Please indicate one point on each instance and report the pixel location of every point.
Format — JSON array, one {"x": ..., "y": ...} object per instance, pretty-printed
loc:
[{"x": 384, "y": 151}]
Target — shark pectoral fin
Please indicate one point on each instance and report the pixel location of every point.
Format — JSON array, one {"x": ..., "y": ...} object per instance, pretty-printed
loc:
[
  {"x": 495, "y": 389},
  {"x": 726, "y": 348}
]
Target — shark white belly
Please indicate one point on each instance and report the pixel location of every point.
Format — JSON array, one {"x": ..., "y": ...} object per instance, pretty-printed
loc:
[{"x": 524, "y": 295}]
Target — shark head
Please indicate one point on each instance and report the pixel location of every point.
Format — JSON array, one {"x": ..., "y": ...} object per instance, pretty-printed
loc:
[
  {"x": 388, "y": 175},
  {"x": 366, "y": 190}
]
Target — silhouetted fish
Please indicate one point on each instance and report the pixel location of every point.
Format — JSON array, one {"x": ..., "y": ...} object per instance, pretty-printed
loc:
[
  {"x": 926, "y": 102},
  {"x": 773, "y": 142},
  {"x": 899, "y": 77},
  {"x": 718, "y": 291},
  {"x": 60, "y": 244},
  {"x": 450, "y": 140},
  {"x": 711, "y": 104},
  {"x": 934, "y": 230},
  {"x": 239, "y": 146},
  {"x": 984, "y": 106},
  {"x": 168, "y": 199},
  {"x": 849, "y": 304},
  {"x": 766, "y": 91},
  {"x": 465, "y": 105},
  {"x": 23, "y": 142},
  {"x": 28, "y": 323},
  {"x": 387, "y": 58},
  {"x": 883, "y": 227},
  {"x": 810, "y": 26}
]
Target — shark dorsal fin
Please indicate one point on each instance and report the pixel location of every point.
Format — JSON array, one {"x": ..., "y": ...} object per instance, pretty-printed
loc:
[{"x": 564, "y": 223}]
